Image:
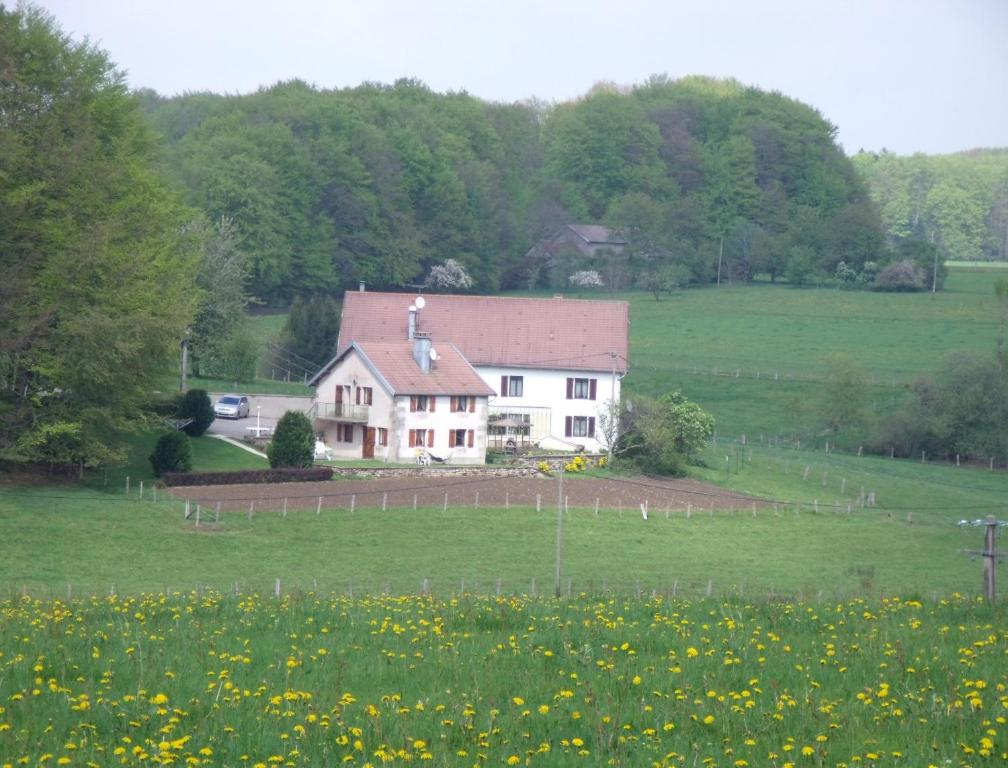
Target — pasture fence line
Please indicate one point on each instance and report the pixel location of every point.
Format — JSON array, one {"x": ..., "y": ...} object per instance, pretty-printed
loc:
[
  {"x": 791, "y": 440},
  {"x": 654, "y": 587},
  {"x": 890, "y": 380}
]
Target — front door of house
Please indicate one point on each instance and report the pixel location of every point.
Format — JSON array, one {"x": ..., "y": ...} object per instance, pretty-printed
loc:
[{"x": 368, "y": 450}]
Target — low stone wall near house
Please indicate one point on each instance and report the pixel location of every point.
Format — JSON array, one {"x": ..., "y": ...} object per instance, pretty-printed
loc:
[{"x": 435, "y": 472}]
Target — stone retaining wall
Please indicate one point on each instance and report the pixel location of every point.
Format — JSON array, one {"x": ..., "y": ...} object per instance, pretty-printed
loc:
[{"x": 435, "y": 472}]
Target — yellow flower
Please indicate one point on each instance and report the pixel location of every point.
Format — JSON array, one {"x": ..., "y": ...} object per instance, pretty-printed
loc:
[
  {"x": 518, "y": 701},
  {"x": 708, "y": 719},
  {"x": 513, "y": 760}
]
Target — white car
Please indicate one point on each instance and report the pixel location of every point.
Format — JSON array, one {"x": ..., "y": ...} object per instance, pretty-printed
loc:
[{"x": 232, "y": 407}]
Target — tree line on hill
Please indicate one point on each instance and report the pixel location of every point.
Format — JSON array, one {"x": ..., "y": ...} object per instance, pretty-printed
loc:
[
  {"x": 706, "y": 178},
  {"x": 958, "y": 202}
]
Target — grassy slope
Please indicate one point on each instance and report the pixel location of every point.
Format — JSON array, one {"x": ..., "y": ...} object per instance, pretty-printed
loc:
[
  {"x": 711, "y": 343},
  {"x": 58, "y": 536}
]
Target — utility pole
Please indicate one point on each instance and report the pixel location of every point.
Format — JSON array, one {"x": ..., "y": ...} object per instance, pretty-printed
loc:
[
  {"x": 989, "y": 552},
  {"x": 559, "y": 532}
]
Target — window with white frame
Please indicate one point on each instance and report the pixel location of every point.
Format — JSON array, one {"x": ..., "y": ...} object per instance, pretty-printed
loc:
[
  {"x": 512, "y": 386},
  {"x": 579, "y": 426},
  {"x": 581, "y": 388}
]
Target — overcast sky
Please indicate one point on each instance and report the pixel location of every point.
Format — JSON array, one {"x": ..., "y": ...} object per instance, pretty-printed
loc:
[{"x": 908, "y": 75}]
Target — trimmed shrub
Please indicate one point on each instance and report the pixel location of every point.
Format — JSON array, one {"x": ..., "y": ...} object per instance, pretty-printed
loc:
[
  {"x": 250, "y": 476},
  {"x": 293, "y": 443},
  {"x": 195, "y": 404},
  {"x": 172, "y": 453}
]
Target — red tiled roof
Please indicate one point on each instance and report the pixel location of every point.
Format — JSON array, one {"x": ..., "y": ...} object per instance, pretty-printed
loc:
[
  {"x": 450, "y": 374},
  {"x": 571, "y": 334}
]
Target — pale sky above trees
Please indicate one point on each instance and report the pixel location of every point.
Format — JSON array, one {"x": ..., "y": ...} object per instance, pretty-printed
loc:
[{"x": 906, "y": 75}]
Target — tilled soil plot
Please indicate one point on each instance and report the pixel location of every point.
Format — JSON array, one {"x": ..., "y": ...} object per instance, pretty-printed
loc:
[{"x": 499, "y": 492}]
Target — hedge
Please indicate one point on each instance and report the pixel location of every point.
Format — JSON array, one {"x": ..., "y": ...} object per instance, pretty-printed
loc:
[{"x": 283, "y": 475}]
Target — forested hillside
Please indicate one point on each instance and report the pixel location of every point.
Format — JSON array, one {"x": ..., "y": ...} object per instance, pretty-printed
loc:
[
  {"x": 959, "y": 202},
  {"x": 379, "y": 182}
]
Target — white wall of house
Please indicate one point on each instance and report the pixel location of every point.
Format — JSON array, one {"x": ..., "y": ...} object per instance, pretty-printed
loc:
[
  {"x": 442, "y": 421},
  {"x": 544, "y": 388},
  {"x": 354, "y": 373},
  {"x": 394, "y": 416}
]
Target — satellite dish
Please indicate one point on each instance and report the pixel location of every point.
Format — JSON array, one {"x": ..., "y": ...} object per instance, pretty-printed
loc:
[
  {"x": 420, "y": 302},
  {"x": 433, "y": 354}
]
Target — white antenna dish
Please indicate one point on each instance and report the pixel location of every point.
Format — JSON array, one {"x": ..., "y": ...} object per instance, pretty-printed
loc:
[
  {"x": 420, "y": 302},
  {"x": 433, "y": 354}
]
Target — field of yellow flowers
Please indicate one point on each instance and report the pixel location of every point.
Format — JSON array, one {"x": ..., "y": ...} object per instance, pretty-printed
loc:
[{"x": 310, "y": 680}]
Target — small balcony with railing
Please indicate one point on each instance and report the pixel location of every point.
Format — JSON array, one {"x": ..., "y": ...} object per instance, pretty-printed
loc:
[{"x": 344, "y": 412}]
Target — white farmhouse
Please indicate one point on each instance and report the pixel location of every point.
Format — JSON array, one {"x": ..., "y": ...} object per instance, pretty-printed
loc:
[
  {"x": 550, "y": 366},
  {"x": 401, "y": 401}
]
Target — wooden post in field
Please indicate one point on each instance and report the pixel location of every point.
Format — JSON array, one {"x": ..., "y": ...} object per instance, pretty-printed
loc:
[
  {"x": 197, "y": 515},
  {"x": 414, "y": 502},
  {"x": 990, "y": 557},
  {"x": 559, "y": 531},
  {"x": 154, "y": 493},
  {"x": 141, "y": 490},
  {"x": 285, "y": 507},
  {"x": 507, "y": 500},
  {"x": 276, "y": 587},
  {"x": 476, "y": 502},
  {"x": 251, "y": 508},
  {"x": 384, "y": 501},
  {"x": 216, "y": 517},
  {"x": 596, "y": 506},
  {"x": 353, "y": 501},
  {"x": 127, "y": 483},
  {"x": 446, "y": 502},
  {"x": 989, "y": 554},
  {"x": 318, "y": 508},
  {"x": 538, "y": 502}
]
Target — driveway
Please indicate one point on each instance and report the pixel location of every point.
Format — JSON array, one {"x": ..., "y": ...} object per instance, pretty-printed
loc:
[{"x": 268, "y": 408}]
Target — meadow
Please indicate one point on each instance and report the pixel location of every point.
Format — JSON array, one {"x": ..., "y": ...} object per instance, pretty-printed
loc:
[
  {"x": 756, "y": 356},
  {"x": 202, "y": 679}
]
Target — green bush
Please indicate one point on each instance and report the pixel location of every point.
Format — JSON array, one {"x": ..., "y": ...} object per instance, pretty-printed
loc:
[
  {"x": 195, "y": 404},
  {"x": 293, "y": 443},
  {"x": 172, "y": 453}
]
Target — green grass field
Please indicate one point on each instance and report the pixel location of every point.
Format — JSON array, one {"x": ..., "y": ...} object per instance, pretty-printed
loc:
[
  {"x": 200, "y": 679},
  {"x": 94, "y": 541},
  {"x": 755, "y": 355}
]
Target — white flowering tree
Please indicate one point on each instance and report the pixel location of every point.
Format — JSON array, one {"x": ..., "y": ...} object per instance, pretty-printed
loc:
[
  {"x": 586, "y": 278},
  {"x": 450, "y": 275}
]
